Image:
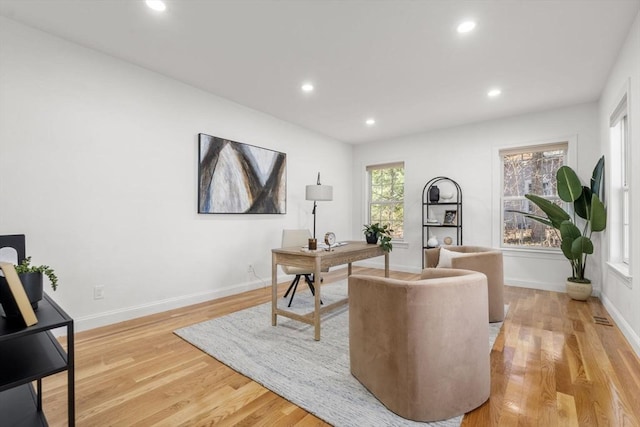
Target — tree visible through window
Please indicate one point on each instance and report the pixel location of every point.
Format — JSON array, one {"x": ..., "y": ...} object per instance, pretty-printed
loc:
[
  {"x": 386, "y": 196},
  {"x": 529, "y": 170}
]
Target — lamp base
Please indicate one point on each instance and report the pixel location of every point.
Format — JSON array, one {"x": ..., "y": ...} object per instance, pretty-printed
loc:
[{"x": 313, "y": 244}]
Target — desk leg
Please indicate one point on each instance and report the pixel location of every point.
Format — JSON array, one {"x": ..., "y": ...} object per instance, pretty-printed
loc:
[
  {"x": 316, "y": 311},
  {"x": 386, "y": 264},
  {"x": 39, "y": 393},
  {"x": 274, "y": 289}
]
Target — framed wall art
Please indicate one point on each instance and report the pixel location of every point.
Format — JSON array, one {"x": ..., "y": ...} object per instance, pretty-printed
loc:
[{"x": 237, "y": 178}]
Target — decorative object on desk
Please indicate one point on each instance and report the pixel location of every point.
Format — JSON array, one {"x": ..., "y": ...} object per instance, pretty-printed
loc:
[
  {"x": 574, "y": 234},
  {"x": 16, "y": 303},
  {"x": 31, "y": 277},
  {"x": 432, "y": 242},
  {"x": 330, "y": 239},
  {"x": 450, "y": 217},
  {"x": 447, "y": 240},
  {"x": 318, "y": 193},
  {"x": 376, "y": 232},
  {"x": 240, "y": 178},
  {"x": 313, "y": 244},
  {"x": 371, "y": 238},
  {"x": 434, "y": 194}
]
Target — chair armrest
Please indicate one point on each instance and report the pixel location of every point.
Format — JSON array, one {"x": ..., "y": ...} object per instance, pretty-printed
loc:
[{"x": 431, "y": 257}]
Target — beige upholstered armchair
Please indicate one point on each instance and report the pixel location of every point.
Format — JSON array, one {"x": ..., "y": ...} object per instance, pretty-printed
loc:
[
  {"x": 421, "y": 347},
  {"x": 476, "y": 258}
]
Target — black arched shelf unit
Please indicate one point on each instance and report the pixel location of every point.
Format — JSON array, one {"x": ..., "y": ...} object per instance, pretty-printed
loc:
[{"x": 441, "y": 213}]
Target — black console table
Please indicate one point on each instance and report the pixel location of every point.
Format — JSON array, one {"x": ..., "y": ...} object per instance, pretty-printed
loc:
[{"x": 30, "y": 354}]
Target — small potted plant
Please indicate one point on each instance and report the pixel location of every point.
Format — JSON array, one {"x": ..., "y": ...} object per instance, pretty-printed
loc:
[
  {"x": 31, "y": 277},
  {"x": 376, "y": 232}
]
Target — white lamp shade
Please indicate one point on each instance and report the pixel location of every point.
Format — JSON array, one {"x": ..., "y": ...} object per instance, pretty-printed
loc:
[{"x": 319, "y": 192}]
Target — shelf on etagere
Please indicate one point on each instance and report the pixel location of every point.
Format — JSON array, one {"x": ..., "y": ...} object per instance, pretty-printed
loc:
[
  {"x": 442, "y": 203},
  {"x": 30, "y": 357},
  {"x": 19, "y": 407},
  {"x": 29, "y": 354}
]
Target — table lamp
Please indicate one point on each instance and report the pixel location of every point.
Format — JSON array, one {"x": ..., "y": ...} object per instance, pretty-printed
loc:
[{"x": 318, "y": 193}]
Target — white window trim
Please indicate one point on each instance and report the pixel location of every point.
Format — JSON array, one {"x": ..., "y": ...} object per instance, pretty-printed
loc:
[
  {"x": 496, "y": 197},
  {"x": 621, "y": 108},
  {"x": 622, "y": 272},
  {"x": 367, "y": 195}
]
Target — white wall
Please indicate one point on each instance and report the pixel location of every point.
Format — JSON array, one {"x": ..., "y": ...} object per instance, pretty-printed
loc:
[
  {"x": 98, "y": 167},
  {"x": 465, "y": 154},
  {"x": 621, "y": 295}
]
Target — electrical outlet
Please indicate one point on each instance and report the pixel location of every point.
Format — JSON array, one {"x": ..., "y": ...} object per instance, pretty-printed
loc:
[{"x": 98, "y": 292}]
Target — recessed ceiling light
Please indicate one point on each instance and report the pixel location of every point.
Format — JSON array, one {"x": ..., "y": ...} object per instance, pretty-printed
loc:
[
  {"x": 307, "y": 87},
  {"x": 157, "y": 5},
  {"x": 466, "y": 26},
  {"x": 370, "y": 122},
  {"x": 494, "y": 92}
]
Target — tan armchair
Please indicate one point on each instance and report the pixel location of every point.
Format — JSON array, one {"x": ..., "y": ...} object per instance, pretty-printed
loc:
[
  {"x": 421, "y": 347},
  {"x": 477, "y": 258}
]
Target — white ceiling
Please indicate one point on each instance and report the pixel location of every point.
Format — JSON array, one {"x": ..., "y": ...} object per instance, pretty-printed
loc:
[{"x": 401, "y": 62}]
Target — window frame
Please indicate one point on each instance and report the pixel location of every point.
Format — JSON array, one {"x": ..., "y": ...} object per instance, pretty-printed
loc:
[
  {"x": 571, "y": 141},
  {"x": 620, "y": 188},
  {"x": 538, "y": 148},
  {"x": 370, "y": 202}
]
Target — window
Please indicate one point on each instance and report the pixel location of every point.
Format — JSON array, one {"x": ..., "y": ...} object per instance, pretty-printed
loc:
[
  {"x": 386, "y": 196},
  {"x": 529, "y": 170},
  {"x": 619, "y": 204}
]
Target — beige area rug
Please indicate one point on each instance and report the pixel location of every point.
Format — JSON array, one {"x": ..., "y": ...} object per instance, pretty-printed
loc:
[{"x": 286, "y": 359}]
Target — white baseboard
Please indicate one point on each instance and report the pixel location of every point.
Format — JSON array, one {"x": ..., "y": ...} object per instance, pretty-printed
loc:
[
  {"x": 625, "y": 328},
  {"x": 120, "y": 315},
  {"x": 554, "y": 287},
  {"x": 542, "y": 286}
]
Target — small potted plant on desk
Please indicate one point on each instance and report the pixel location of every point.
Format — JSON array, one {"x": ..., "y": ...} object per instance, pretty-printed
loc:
[
  {"x": 31, "y": 277},
  {"x": 375, "y": 232}
]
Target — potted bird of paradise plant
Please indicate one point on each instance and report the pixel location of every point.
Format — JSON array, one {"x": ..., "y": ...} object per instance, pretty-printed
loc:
[{"x": 575, "y": 228}]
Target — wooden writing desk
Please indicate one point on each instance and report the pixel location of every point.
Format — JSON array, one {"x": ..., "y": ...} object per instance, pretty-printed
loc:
[{"x": 318, "y": 260}]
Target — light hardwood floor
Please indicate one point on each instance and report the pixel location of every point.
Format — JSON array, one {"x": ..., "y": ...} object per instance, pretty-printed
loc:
[{"x": 552, "y": 365}]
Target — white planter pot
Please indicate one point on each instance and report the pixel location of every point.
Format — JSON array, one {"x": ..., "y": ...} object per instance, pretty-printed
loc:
[{"x": 579, "y": 291}]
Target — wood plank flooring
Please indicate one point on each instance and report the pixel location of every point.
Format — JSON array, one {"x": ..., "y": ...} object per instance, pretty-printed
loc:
[{"x": 552, "y": 365}]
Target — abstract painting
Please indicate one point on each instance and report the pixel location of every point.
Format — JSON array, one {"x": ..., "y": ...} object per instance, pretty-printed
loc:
[{"x": 240, "y": 178}]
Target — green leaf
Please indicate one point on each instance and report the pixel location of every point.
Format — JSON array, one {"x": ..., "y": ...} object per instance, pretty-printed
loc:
[
  {"x": 582, "y": 245},
  {"x": 598, "y": 214},
  {"x": 569, "y": 186},
  {"x": 554, "y": 213},
  {"x": 568, "y": 230},
  {"x": 596, "y": 177},
  {"x": 582, "y": 206},
  {"x": 537, "y": 218},
  {"x": 569, "y": 233},
  {"x": 566, "y": 249}
]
